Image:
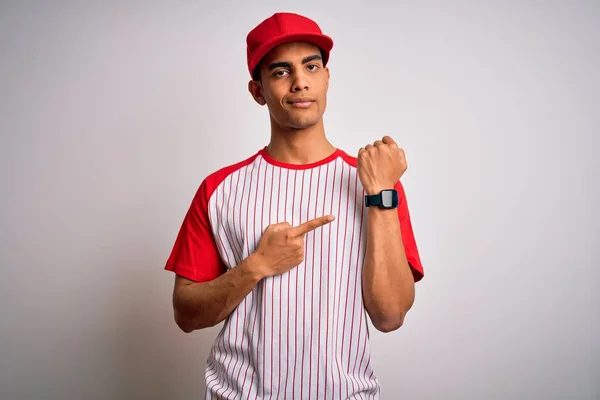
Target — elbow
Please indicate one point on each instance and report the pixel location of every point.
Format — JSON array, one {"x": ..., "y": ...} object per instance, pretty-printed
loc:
[
  {"x": 390, "y": 318},
  {"x": 182, "y": 318},
  {"x": 185, "y": 324},
  {"x": 389, "y": 323},
  {"x": 188, "y": 323},
  {"x": 185, "y": 328}
]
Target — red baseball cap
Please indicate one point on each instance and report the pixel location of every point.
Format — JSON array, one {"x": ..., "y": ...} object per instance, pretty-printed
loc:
[{"x": 284, "y": 28}]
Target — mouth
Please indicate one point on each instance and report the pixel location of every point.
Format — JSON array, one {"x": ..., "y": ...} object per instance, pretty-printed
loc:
[{"x": 302, "y": 102}]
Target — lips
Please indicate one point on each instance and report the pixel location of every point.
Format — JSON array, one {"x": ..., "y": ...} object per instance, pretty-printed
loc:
[{"x": 301, "y": 102}]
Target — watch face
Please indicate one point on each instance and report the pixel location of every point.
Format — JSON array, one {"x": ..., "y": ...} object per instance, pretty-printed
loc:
[{"x": 386, "y": 198}]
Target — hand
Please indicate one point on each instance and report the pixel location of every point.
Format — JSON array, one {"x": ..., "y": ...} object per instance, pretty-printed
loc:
[
  {"x": 281, "y": 247},
  {"x": 380, "y": 165}
]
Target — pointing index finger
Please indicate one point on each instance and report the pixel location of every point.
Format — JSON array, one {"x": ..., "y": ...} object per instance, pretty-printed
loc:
[{"x": 311, "y": 225}]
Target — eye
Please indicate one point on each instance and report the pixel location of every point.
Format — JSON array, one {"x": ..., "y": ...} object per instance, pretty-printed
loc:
[
  {"x": 313, "y": 67},
  {"x": 281, "y": 73}
]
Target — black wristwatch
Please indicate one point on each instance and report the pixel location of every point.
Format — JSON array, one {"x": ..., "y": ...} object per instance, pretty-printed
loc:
[{"x": 387, "y": 198}]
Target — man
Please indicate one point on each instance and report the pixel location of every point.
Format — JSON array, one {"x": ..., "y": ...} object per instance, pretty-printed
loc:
[{"x": 296, "y": 245}]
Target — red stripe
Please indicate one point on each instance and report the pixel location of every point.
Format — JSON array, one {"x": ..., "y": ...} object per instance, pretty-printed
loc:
[
  {"x": 264, "y": 316},
  {"x": 305, "y": 302},
  {"x": 237, "y": 234},
  {"x": 255, "y": 366},
  {"x": 346, "y": 304},
  {"x": 219, "y": 359},
  {"x": 321, "y": 284},
  {"x": 228, "y": 244},
  {"x": 296, "y": 319},
  {"x": 287, "y": 361},
  {"x": 219, "y": 223},
  {"x": 337, "y": 295},
  {"x": 231, "y": 236},
  {"x": 280, "y": 280},
  {"x": 364, "y": 348},
  {"x": 251, "y": 383},
  {"x": 312, "y": 291},
  {"x": 264, "y": 301},
  {"x": 273, "y": 287},
  {"x": 289, "y": 287},
  {"x": 327, "y": 289},
  {"x": 356, "y": 274}
]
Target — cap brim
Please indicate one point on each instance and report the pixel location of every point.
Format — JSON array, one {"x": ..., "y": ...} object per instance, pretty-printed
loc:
[{"x": 324, "y": 42}]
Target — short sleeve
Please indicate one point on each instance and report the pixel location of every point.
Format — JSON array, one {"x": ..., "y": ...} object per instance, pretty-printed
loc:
[
  {"x": 408, "y": 237},
  {"x": 195, "y": 255}
]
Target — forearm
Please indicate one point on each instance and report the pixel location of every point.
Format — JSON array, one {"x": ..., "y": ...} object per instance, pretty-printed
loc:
[
  {"x": 388, "y": 283},
  {"x": 200, "y": 305}
]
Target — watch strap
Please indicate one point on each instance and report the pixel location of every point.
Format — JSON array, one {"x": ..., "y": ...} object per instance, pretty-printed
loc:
[{"x": 372, "y": 200}]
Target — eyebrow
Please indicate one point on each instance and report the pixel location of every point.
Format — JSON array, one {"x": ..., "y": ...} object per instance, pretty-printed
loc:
[{"x": 287, "y": 64}]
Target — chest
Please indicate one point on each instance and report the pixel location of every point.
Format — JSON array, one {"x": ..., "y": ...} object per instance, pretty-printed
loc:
[{"x": 261, "y": 194}]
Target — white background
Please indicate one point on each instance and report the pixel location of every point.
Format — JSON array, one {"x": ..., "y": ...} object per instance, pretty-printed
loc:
[{"x": 111, "y": 114}]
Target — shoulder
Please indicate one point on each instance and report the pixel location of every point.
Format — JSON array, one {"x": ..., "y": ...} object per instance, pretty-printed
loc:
[
  {"x": 348, "y": 159},
  {"x": 216, "y": 178}
]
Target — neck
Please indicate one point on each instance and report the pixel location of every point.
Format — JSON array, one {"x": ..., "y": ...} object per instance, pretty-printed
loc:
[{"x": 299, "y": 146}]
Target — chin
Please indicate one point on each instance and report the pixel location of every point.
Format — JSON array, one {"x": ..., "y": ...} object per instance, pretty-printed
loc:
[
  {"x": 302, "y": 124},
  {"x": 296, "y": 121}
]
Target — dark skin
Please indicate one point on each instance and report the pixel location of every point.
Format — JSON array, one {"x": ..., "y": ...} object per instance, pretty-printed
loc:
[
  {"x": 292, "y": 72},
  {"x": 289, "y": 72},
  {"x": 296, "y": 70}
]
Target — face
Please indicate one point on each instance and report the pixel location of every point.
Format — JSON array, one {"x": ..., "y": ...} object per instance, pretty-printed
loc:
[{"x": 293, "y": 84}]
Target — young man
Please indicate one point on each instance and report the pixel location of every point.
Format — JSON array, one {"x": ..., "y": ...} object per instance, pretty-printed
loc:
[{"x": 296, "y": 245}]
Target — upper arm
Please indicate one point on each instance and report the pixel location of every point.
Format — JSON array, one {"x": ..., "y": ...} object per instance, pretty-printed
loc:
[{"x": 195, "y": 255}]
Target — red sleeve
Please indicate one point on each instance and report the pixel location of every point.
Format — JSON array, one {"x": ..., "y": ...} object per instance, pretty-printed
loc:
[
  {"x": 408, "y": 237},
  {"x": 195, "y": 255}
]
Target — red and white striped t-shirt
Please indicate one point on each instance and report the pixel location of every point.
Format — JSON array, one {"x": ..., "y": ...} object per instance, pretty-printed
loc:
[{"x": 303, "y": 334}]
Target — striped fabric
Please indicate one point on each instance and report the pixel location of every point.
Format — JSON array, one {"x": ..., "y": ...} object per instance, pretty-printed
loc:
[{"x": 303, "y": 334}]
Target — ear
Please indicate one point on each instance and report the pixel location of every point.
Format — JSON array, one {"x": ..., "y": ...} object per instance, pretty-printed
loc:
[
  {"x": 255, "y": 89},
  {"x": 328, "y": 76}
]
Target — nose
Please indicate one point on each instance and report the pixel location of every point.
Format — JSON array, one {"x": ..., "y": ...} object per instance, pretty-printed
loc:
[{"x": 300, "y": 82}]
